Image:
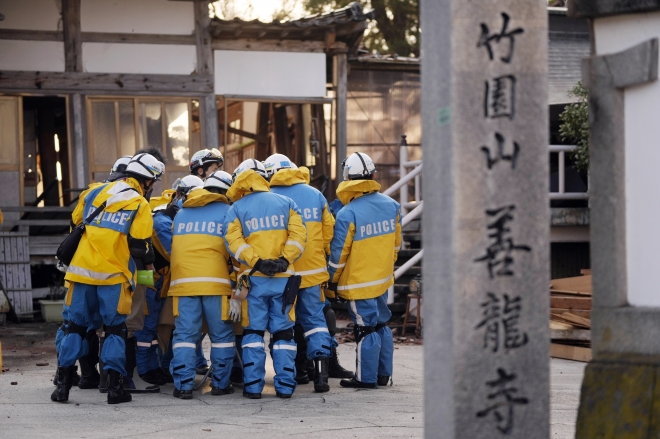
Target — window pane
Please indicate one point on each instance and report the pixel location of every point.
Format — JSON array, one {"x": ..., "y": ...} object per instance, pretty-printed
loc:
[
  {"x": 127, "y": 127},
  {"x": 104, "y": 133},
  {"x": 176, "y": 118},
  {"x": 151, "y": 129},
  {"x": 9, "y": 145}
]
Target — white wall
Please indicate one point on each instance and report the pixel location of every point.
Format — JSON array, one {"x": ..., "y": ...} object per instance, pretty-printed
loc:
[
  {"x": 44, "y": 56},
  {"x": 642, "y": 122},
  {"x": 273, "y": 74},
  {"x": 139, "y": 58},
  {"x": 30, "y": 14},
  {"x": 137, "y": 16}
]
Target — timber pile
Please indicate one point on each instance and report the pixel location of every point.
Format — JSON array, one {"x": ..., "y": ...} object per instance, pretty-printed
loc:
[{"x": 570, "y": 317}]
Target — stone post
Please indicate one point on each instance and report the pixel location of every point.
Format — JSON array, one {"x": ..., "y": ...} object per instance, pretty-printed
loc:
[
  {"x": 486, "y": 228},
  {"x": 620, "y": 395}
]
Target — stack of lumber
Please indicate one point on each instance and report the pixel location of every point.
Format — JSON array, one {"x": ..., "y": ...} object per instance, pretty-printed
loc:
[{"x": 570, "y": 314}]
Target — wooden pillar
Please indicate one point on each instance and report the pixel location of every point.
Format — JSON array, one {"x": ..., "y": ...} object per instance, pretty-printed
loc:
[
  {"x": 208, "y": 110},
  {"x": 77, "y": 141},
  {"x": 72, "y": 38},
  {"x": 341, "y": 90}
]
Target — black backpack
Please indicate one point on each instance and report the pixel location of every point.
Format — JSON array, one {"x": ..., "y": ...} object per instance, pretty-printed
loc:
[{"x": 68, "y": 247}]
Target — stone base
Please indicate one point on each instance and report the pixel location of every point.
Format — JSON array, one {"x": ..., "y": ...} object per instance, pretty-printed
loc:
[{"x": 620, "y": 398}]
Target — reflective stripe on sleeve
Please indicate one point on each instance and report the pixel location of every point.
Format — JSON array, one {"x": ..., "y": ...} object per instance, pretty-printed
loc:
[
  {"x": 186, "y": 280},
  {"x": 240, "y": 249},
  {"x": 184, "y": 345},
  {"x": 296, "y": 243},
  {"x": 223, "y": 345},
  {"x": 310, "y": 272},
  {"x": 142, "y": 344},
  {"x": 336, "y": 265},
  {"x": 154, "y": 342},
  {"x": 255, "y": 345},
  {"x": 366, "y": 284},
  {"x": 286, "y": 347},
  {"x": 90, "y": 273},
  {"x": 315, "y": 330}
]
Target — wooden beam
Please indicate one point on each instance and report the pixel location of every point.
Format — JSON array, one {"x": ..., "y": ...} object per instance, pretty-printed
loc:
[
  {"x": 106, "y": 37},
  {"x": 78, "y": 141},
  {"x": 271, "y": 45},
  {"x": 341, "y": 90},
  {"x": 257, "y": 137},
  {"x": 208, "y": 110},
  {"x": 105, "y": 82},
  {"x": 71, "y": 33},
  {"x": 32, "y": 35}
]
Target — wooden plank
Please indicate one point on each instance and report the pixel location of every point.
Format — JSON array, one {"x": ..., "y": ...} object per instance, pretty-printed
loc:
[
  {"x": 37, "y": 222},
  {"x": 575, "y": 353},
  {"x": 572, "y": 319},
  {"x": 31, "y": 35},
  {"x": 203, "y": 38},
  {"x": 109, "y": 37},
  {"x": 570, "y": 334},
  {"x": 560, "y": 326},
  {"x": 569, "y": 293},
  {"x": 71, "y": 32},
  {"x": 570, "y": 303},
  {"x": 576, "y": 284},
  {"x": 578, "y": 312},
  {"x": 110, "y": 82},
  {"x": 271, "y": 45}
]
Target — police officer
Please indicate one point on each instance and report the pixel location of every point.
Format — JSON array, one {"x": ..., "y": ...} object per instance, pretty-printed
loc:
[
  {"x": 265, "y": 234},
  {"x": 205, "y": 162},
  {"x": 361, "y": 265},
  {"x": 201, "y": 287},
  {"x": 102, "y": 272},
  {"x": 286, "y": 179},
  {"x": 148, "y": 364}
]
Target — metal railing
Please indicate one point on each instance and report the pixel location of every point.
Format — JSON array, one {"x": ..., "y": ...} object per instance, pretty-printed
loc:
[
  {"x": 561, "y": 194},
  {"x": 405, "y": 177}
]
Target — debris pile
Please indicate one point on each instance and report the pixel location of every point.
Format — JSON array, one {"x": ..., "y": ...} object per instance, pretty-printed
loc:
[{"x": 570, "y": 317}]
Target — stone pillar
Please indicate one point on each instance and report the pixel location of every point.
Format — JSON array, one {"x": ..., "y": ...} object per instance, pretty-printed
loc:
[
  {"x": 620, "y": 396},
  {"x": 486, "y": 232}
]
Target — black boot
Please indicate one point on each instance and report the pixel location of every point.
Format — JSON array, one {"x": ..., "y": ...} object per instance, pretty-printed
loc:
[
  {"x": 302, "y": 377},
  {"x": 103, "y": 374},
  {"x": 236, "y": 376},
  {"x": 64, "y": 383},
  {"x": 357, "y": 384},
  {"x": 89, "y": 376},
  {"x": 131, "y": 356},
  {"x": 334, "y": 368},
  {"x": 116, "y": 392},
  {"x": 321, "y": 374},
  {"x": 154, "y": 376},
  {"x": 384, "y": 380}
]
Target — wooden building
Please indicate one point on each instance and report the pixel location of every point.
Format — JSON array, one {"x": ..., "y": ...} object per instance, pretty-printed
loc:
[{"x": 83, "y": 82}]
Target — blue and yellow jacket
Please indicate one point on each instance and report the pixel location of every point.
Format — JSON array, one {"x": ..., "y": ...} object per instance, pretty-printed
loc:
[
  {"x": 262, "y": 225},
  {"x": 103, "y": 256},
  {"x": 200, "y": 262},
  {"x": 366, "y": 242},
  {"x": 164, "y": 198},
  {"x": 312, "y": 265}
]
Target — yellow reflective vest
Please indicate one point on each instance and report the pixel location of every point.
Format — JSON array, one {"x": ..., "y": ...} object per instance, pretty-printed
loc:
[
  {"x": 262, "y": 225},
  {"x": 312, "y": 265},
  {"x": 103, "y": 256},
  {"x": 366, "y": 242},
  {"x": 200, "y": 263}
]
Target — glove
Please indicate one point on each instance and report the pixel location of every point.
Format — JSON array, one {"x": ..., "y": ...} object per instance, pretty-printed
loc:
[
  {"x": 282, "y": 265},
  {"x": 171, "y": 210},
  {"x": 267, "y": 267},
  {"x": 330, "y": 292},
  {"x": 235, "y": 310}
]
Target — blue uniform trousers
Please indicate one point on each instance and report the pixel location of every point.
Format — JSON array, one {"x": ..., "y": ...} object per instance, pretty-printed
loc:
[
  {"x": 310, "y": 315},
  {"x": 147, "y": 338},
  {"x": 91, "y": 304},
  {"x": 187, "y": 333},
  {"x": 375, "y": 352},
  {"x": 265, "y": 312}
]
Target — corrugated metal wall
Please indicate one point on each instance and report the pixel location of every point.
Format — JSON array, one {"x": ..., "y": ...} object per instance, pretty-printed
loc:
[{"x": 15, "y": 271}]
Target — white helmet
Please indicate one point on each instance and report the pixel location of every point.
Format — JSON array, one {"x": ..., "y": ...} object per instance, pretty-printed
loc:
[
  {"x": 253, "y": 164},
  {"x": 276, "y": 162},
  {"x": 147, "y": 166},
  {"x": 187, "y": 183},
  {"x": 219, "y": 180},
  {"x": 121, "y": 163},
  {"x": 204, "y": 157},
  {"x": 358, "y": 166}
]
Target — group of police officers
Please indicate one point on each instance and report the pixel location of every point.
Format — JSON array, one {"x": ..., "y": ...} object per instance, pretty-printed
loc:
[{"x": 233, "y": 256}]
